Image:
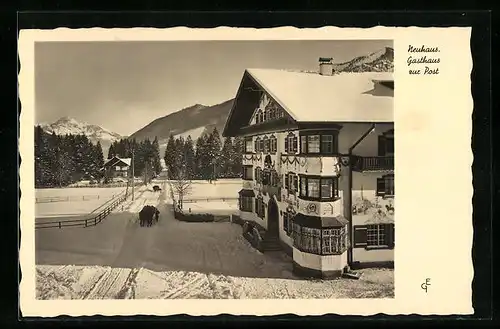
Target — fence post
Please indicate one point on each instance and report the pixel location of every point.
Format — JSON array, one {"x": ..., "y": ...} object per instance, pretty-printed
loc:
[
  {"x": 95, "y": 220},
  {"x": 85, "y": 223},
  {"x": 59, "y": 224}
]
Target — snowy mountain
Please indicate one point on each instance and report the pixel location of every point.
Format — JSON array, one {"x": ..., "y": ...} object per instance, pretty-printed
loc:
[
  {"x": 379, "y": 61},
  {"x": 67, "y": 125}
]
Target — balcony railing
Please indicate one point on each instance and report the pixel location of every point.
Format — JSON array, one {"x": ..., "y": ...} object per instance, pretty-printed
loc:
[{"x": 373, "y": 163}]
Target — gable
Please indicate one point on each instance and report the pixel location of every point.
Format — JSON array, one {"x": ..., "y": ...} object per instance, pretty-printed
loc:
[{"x": 267, "y": 110}]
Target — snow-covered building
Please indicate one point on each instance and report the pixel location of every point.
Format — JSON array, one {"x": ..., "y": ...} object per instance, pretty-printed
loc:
[
  {"x": 118, "y": 167},
  {"x": 318, "y": 165}
]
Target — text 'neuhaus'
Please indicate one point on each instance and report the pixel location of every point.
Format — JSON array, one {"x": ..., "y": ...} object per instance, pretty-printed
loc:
[{"x": 419, "y": 63}]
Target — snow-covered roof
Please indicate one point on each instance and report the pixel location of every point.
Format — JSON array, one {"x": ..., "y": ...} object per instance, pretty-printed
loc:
[
  {"x": 343, "y": 97},
  {"x": 117, "y": 159}
]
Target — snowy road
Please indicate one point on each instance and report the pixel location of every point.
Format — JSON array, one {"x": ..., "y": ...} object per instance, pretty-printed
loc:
[{"x": 173, "y": 259}]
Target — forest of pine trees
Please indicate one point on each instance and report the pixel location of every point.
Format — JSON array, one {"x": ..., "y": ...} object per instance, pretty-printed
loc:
[
  {"x": 62, "y": 160},
  {"x": 207, "y": 158}
]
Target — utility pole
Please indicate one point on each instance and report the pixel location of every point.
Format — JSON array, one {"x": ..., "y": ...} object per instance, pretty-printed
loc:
[{"x": 133, "y": 175}]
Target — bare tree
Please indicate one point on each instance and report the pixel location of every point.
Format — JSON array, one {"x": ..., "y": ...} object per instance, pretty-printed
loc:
[{"x": 182, "y": 186}]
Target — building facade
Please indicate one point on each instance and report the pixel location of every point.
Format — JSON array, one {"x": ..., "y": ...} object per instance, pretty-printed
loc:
[
  {"x": 318, "y": 181},
  {"x": 117, "y": 167}
]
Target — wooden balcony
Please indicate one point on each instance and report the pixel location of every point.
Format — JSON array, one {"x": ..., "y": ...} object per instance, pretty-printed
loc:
[{"x": 373, "y": 163}]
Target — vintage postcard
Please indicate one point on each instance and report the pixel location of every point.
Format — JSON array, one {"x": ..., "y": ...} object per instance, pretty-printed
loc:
[{"x": 246, "y": 171}]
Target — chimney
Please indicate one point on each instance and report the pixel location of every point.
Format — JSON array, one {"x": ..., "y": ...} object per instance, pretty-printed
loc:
[{"x": 326, "y": 66}]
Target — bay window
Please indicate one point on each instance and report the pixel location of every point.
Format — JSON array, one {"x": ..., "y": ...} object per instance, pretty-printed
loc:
[
  {"x": 319, "y": 188},
  {"x": 319, "y": 142},
  {"x": 329, "y": 240}
]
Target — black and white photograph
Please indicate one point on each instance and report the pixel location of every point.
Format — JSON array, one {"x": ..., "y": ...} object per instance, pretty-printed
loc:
[
  {"x": 245, "y": 171},
  {"x": 214, "y": 169}
]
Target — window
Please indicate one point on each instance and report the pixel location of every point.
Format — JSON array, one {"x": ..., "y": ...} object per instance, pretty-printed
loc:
[
  {"x": 291, "y": 143},
  {"x": 260, "y": 208},
  {"x": 327, "y": 144},
  {"x": 293, "y": 181},
  {"x": 258, "y": 175},
  {"x": 247, "y": 173},
  {"x": 257, "y": 145},
  {"x": 260, "y": 117},
  {"x": 316, "y": 188},
  {"x": 274, "y": 144},
  {"x": 334, "y": 240},
  {"x": 266, "y": 144},
  {"x": 246, "y": 203},
  {"x": 318, "y": 142},
  {"x": 261, "y": 145},
  {"x": 386, "y": 144},
  {"x": 248, "y": 145},
  {"x": 375, "y": 236},
  {"x": 286, "y": 180},
  {"x": 313, "y": 145},
  {"x": 274, "y": 178},
  {"x": 265, "y": 115},
  {"x": 287, "y": 223},
  {"x": 385, "y": 186},
  {"x": 307, "y": 239}
]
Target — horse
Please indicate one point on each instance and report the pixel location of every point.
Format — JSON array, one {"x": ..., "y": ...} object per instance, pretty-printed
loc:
[
  {"x": 156, "y": 188},
  {"x": 147, "y": 215}
]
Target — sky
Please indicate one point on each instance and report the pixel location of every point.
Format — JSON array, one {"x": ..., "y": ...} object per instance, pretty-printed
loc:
[{"x": 123, "y": 86}]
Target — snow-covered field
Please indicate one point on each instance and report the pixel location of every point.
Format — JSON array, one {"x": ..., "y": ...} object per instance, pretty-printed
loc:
[
  {"x": 70, "y": 202},
  {"x": 212, "y": 207},
  {"x": 118, "y": 259}
]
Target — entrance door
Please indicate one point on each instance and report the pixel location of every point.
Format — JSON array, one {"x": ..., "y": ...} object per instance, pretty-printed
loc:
[{"x": 273, "y": 217}]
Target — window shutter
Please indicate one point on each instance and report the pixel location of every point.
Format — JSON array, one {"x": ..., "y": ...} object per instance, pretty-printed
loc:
[
  {"x": 381, "y": 145},
  {"x": 257, "y": 206},
  {"x": 360, "y": 236},
  {"x": 295, "y": 142},
  {"x": 286, "y": 144},
  {"x": 380, "y": 186},
  {"x": 389, "y": 232},
  {"x": 286, "y": 181}
]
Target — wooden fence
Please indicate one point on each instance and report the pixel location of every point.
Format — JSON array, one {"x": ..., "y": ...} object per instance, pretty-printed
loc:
[
  {"x": 73, "y": 198},
  {"x": 194, "y": 200},
  {"x": 91, "y": 221}
]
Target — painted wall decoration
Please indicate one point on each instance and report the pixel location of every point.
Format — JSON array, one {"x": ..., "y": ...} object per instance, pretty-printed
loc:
[
  {"x": 312, "y": 208},
  {"x": 373, "y": 210},
  {"x": 327, "y": 209}
]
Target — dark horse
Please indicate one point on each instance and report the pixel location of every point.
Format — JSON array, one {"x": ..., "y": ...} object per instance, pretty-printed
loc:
[
  {"x": 156, "y": 188},
  {"x": 147, "y": 215}
]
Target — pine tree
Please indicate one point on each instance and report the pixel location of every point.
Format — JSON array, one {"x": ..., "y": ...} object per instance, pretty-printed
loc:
[
  {"x": 236, "y": 156},
  {"x": 202, "y": 160},
  {"x": 189, "y": 158},
  {"x": 225, "y": 158},
  {"x": 170, "y": 157},
  {"x": 156, "y": 156},
  {"x": 214, "y": 152},
  {"x": 111, "y": 150}
]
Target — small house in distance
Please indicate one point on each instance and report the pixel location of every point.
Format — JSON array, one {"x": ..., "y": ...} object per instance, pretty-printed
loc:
[
  {"x": 117, "y": 167},
  {"x": 318, "y": 165}
]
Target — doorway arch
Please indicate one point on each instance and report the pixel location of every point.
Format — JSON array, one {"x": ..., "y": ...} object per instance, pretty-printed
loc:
[{"x": 273, "y": 217}]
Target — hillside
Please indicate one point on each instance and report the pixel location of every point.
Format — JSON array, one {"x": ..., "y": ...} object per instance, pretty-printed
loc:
[
  {"x": 193, "y": 120},
  {"x": 379, "y": 61}
]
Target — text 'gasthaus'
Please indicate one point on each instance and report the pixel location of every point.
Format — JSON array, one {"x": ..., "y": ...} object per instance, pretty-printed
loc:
[{"x": 420, "y": 63}]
